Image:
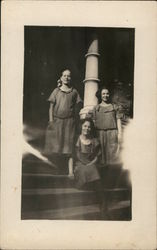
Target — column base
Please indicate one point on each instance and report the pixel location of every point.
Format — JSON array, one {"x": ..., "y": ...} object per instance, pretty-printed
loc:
[{"x": 85, "y": 112}]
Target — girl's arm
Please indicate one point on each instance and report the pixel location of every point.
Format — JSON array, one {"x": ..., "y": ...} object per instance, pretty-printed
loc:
[
  {"x": 97, "y": 153},
  {"x": 52, "y": 100},
  {"x": 51, "y": 113},
  {"x": 93, "y": 161},
  {"x": 119, "y": 130}
]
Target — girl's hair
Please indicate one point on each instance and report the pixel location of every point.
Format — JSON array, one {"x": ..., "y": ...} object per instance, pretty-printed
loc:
[
  {"x": 98, "y": 93},
  {"x": 93, "y": 132},
  {"x": 66, "y": 70},
  {"x": 59, "y": 82}
]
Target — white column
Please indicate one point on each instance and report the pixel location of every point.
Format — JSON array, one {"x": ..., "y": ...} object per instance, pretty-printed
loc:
[{"x": 91, "y": 78}]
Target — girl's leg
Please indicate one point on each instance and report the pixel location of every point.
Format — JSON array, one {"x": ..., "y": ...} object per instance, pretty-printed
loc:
[
  {"x": 103, "y": 200},
  {"x": 70, "y": 167}
]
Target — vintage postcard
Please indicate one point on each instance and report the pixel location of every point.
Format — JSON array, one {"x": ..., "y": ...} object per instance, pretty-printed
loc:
[{"x": 78, "y": 125}]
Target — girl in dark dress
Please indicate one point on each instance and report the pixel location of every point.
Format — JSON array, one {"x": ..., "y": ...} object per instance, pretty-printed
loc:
[{"x": 88, "y": 152}]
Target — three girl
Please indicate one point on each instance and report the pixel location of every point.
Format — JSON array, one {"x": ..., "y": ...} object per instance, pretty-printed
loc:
[
  {"x": 90, "y": 152},
  {"x": 60, "y": 136}
]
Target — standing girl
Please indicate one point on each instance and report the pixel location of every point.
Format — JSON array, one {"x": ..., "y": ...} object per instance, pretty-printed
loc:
[
  {"x": 108, "y": 125},
  {"x": 61, "y": 130}
]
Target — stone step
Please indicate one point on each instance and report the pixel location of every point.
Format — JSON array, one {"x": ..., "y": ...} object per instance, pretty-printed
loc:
[
  {"x": 36, "y": 167},
  {"x": 54, "y": 198},
  {"x": 120, "y": 211},
  {"x": 116, "y": 211},
  {"x": 46, "y": 189},
  {"x": 37, "y": 172},
  {"x": 48, "y": 180},
  {"x": 40, "y": 175},
  {"x": 31, "y": 164},
  {"x": 41, "y": 199},
  {"x": 62, "y": 213}
]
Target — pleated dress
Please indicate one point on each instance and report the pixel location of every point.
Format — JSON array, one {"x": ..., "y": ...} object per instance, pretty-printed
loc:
[
  {"x": 107, "y": 131},
  {"x": 60, "y": 137}
]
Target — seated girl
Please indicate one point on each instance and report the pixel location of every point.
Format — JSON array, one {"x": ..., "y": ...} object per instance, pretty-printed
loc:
[
  {"x": 87, "y": 154},
  {"x": 86, "y": 171}
]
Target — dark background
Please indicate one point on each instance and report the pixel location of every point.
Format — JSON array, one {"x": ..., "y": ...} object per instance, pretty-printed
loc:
[{"x": 49, "y": 50}]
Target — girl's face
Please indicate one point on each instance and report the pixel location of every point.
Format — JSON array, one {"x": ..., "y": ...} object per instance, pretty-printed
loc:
[
  {"x": 86, "y": 128},
  {"x": 66, "y": 77},
  {"x": 105, "y": 95}
]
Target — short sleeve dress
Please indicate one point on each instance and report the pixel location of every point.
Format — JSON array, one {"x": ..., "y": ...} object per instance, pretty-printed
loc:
[
  {"x": 85, "y": 154},
  {"x": 106, "y": 126},
  {"x": 60, "y": 138}
]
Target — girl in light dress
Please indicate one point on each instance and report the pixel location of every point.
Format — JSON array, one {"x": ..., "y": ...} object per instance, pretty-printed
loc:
[
  {"x": 107, "y": 119},
  {"x": 60, "y": 133}
]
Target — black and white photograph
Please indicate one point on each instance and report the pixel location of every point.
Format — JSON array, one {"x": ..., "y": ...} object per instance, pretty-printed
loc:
[
  {"x": 77, "y": 101},
  {"x": 78, "y": 132}
]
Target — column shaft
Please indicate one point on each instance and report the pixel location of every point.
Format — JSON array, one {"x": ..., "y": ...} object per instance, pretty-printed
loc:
[{"x": 91, "y": 78}]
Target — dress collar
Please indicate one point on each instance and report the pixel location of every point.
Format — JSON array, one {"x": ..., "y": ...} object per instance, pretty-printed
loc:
[
  {"x": 85, "y": 142},
  {"x": 68, "y": 91},
  {"x": 105, "y": 108}
]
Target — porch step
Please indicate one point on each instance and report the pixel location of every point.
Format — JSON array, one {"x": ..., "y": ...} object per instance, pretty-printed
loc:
[
  {"x": 89, "y": 212},
  {"x": 40, "y": 199},
  {"x": 48, "y": 193},
  {"x": 36, "y": 173},
  {"x": 32, "y": 164},
  {"x": 53, "y": 198},
  {"x": 43, "y": 176},
  {"x": 63, "y": 213},
  {"x": 35, "y": 167},
  {"x": 46, "y": 180}
]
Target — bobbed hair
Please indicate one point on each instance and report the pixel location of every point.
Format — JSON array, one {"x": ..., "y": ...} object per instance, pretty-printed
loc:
[
  {"x": 65, "y": 70},
  {"x": 98, "y": 93},
  {"x": 93, "y": 132}
]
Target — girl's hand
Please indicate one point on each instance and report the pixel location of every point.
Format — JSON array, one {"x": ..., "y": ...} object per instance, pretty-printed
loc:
[
  {"x": 88, "y": 164},
  {"x": 50, "y": 124},
  {"x": 119, "y": 131},
  {"x": 93, "y": 161}
]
